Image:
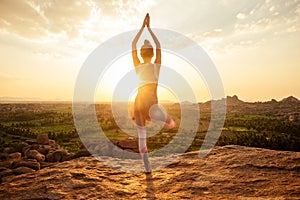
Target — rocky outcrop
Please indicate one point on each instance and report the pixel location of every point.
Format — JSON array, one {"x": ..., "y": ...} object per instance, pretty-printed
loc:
[
  {"x": 34, "y": 154},
  {"x": 42, "y": 139},
  {"x": 290, "y": 100},
  {"x": 31, "y": 155},
  {"x": 58, "y": 156},
  {"x": 229, "y": 172},
  {"x": 286, "y": 109},
  {"x": 14, "y": 156}
]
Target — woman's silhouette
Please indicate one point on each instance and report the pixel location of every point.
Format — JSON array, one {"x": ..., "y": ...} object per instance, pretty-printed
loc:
[{"x": 145, "y": 106}]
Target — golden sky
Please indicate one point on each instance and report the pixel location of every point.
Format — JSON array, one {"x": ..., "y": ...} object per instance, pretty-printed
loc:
[{"x": 254, "y": 44}]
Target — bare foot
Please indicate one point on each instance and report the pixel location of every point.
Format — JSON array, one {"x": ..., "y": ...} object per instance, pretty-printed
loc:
[{"x": 171, "y": 124}]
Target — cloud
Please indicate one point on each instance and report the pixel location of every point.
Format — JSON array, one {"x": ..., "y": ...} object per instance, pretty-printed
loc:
[
  {"x": 279, "y": 15},
  {"x": 34, "y": 19},
  {"x": 69, "y": 27},
  {"x": 241, "y": 16},
  {"x": 39, "y": 19},
  {"x": 254, "y": 23},
  {"x": 61, "y": 29},
  {"x": 212, "y": 34}
]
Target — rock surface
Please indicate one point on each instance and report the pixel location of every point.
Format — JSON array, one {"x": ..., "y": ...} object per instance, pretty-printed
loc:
[
  {"x": 34, "y": 154},
  {"x": 22, "y": 170},
  {"x": 230, "y": 172},
  {"x": 14, "y": 156},
  {"x": 33, "y": 164}
]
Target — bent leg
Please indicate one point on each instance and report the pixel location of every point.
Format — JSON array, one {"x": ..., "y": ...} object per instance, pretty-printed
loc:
[{"x": 160, "y": 117}]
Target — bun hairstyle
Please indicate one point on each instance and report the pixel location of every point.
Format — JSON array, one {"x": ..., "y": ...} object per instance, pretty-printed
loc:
[
  {"x": 147, "y": 49},
  {"x": 147, "y": 42}
]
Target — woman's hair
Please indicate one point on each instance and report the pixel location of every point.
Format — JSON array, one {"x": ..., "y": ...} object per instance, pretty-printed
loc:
[{"x": 147, "y": 49}]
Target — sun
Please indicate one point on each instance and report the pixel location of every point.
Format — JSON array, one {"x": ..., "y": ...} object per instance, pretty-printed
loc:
[
  {"x": 113, "y": 77},
  {"x": 119, "y": 81}
]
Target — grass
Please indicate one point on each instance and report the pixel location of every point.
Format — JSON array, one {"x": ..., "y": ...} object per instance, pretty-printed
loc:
[
  {"x": 57, "y": 119},
  {"x": 235, "y": 129},
  {"x": 55, "y": 129}
]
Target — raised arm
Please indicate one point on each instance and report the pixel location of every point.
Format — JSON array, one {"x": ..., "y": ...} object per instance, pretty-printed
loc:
[
  {"x": 157, "y": 44},
  {"x": 136, "y": 60}
]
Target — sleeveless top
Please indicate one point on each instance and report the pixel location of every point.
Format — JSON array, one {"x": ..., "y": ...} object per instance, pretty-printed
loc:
[{"x": 148, "y": 74}]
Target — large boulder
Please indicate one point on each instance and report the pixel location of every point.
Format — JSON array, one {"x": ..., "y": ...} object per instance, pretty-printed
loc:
[
  {"x": 20, "y": 146},
  {"x": 44, "y": 149},
  {"x": 42, "y": 139},
  {"x": 51, "y": 158},
  {"x": 14, "y": 156},
  {"x": 59, "y": 155},
  {"x": 54, "y": 146},
  {"x": 51, "y": 142},
  {"x": 25, "y": 149},
  {"x": 68, "y": 156},
  {"x": 34, "y": 154},
  {"x": 31, "y": 141},
  {"x": 35, "y": 146},
  {"x": 22, "y": 170},
  {"x": 33, "y": 164},
  {"x": 128, "y": 144}
]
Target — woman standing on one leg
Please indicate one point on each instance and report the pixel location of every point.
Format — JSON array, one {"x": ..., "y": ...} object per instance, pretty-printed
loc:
[{"x": 145, "y": 107}]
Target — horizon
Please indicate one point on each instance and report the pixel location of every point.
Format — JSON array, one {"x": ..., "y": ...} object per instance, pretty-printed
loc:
[
  {"x": 30, "y": 100},
  {"x": 253, "y": 44}
]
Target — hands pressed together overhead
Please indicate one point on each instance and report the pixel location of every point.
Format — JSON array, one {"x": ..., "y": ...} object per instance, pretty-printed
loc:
[{"x": 147, "y": 21}]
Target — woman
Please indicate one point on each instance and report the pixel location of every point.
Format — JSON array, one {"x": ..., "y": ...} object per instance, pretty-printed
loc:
[{"x": 146, "y": 107}]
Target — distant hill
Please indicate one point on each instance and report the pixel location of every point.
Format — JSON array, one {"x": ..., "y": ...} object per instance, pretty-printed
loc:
[
  {"x": 290, "y": 100},
  {"x": 233, "y": 100},
  {"x": 283, "y": 108}
]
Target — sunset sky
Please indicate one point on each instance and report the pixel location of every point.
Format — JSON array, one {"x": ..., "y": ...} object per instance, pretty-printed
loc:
[{"x": 254, "y": 44}]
